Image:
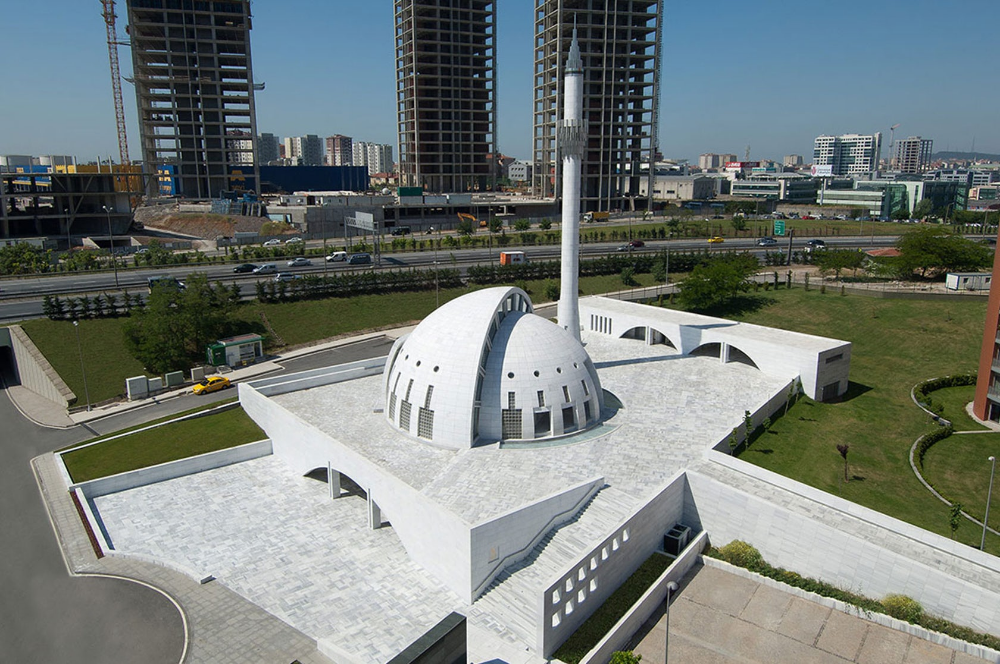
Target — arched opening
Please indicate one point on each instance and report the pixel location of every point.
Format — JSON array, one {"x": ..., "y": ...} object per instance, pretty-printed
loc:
[
  {"x": 657, "y": 337},
  {"x": 654, "y": 336},
  {"x": 637, "y": 333},
  {"x": 348, "y": 487},
  {"x": 736, "y": 355},
  {"x": 8, "y": 366},
  {"x": 707, "y": 350}
]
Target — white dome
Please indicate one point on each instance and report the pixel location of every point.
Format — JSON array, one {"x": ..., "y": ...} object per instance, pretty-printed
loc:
[{"x": 484, "y": 368}]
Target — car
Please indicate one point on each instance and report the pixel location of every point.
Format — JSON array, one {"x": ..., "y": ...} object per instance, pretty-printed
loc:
[
  {"x": 285, "y": 276},
  {"x": 266, "y": 268},
  {"x": 715, "y": 239},
  {"x": 635, "y": 244},
  {"x": 766, "y": 242},
  {"x": 359, "y": 259},
  {"x": 299, "y": 262},
  {"x": 401, "y": 230},
  {"x": 294, "y": 240},
  {"x": 815, "y": 245},
  {"x": 841, "y": 217},
  {"x": 337, "y": 257},
  {"x": 210, "y": 384},
  {"x": 273, "y": 242},
  {"x": 246, "y": 267}
]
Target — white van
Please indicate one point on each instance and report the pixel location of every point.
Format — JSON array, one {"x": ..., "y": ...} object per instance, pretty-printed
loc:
[{"x": 337, "y": 257}]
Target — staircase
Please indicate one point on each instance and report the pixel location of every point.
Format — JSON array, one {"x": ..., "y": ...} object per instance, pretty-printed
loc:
[{"x": 509, "y": 606}]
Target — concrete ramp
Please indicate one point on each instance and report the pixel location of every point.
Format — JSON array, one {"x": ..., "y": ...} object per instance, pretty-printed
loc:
[{"x": 30, "y": 369}]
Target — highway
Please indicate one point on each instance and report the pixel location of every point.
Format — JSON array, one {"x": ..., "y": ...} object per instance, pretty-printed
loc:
[{"x": 21, "y": 298}]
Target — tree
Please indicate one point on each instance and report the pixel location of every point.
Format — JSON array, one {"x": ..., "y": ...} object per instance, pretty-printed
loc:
[
  {"x": 748, "y": 425},
  {"x": 954, "y": 518},
  {"x": 936, "y": 250},
  {"x": 495, "y": 225},
  {"x": 465, "y": 227},
  {"x": 174, "y": 327},
  {"x": 923, "y": 209},
  {"x": 545, "y": 224},
  {"x": 714, "y": 284},
  {"x": 22, "y": 258},
  {"x": 522, "y": 225},
  {"x": 839, "y": 259},
  {"x": 844, "y": 448},
  {"x": 734, "y": 442},
  {"x": 902, "y": 212}
]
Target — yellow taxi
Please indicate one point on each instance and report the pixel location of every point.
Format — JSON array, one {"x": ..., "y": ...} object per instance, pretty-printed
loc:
[
  {"x": 211, "y": 384},
  {"x": 715, "y": 239}
]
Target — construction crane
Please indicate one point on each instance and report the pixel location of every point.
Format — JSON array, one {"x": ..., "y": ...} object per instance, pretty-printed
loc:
[{"x": 116, "y": 89}]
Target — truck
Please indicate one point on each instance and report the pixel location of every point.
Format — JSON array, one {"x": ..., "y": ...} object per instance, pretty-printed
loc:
[
  {"x": 512, "y": 258},
  {"x": 596, "y": 216}
]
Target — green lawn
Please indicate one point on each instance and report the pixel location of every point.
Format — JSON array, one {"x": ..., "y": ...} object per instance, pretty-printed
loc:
[
  {"x": 954, "y": 400},
  {"x": 958, "y": 467},
  {"x": 108, "y": 363},
  {"x": 169, "y": 442},
  {"x": 896, "y": 344},
  {"x": 105, "y": 360}
]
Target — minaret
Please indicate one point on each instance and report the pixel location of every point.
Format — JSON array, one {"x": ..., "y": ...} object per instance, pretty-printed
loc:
[{"x": 572, "y": 135}]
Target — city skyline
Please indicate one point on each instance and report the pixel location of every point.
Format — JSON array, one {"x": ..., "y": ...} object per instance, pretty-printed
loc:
[{"x": 759, "y": 76}]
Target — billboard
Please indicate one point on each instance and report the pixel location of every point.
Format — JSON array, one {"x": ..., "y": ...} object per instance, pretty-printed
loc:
[{"x": 824, "y": 171}]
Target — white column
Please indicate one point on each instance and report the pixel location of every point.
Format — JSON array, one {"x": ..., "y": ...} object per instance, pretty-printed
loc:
[
  {"x": 374, "y": 513},
  {"x": 333, "y": 480}
]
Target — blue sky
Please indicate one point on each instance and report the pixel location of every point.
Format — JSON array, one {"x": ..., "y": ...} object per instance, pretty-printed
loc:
[{"x": 770, "y": 74}]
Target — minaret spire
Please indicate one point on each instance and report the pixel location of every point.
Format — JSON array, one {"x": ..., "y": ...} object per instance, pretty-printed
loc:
[{"x": 572, "y": 134}]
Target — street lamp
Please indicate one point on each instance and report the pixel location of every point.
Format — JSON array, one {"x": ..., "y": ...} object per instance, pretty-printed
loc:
[
  {"x": 86, "y": 391},
  {"x": 671, "y": 587},
  {"x": 437, "y": 283},
  {"x": 114, "y": 262},
  {"x": 989, "y": 496}
]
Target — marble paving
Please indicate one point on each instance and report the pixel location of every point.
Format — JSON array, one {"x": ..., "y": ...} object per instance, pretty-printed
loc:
[{"x": 278, "y": 540}]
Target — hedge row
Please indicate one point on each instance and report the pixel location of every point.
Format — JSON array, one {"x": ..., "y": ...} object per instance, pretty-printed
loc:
[
  {"x": 371, "y": 282},
  {"x": 612, "y": 264}
]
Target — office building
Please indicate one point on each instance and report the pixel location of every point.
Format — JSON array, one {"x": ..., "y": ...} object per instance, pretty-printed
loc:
[
  {"x": 620, "y": 45},
  {"x": 445, "y": 93},
  {"x": 339, "y": 151},
  {"x": 912, "y": 155},
  {"x": 194, "y": 91},
  {"x": 268, "y": 148},
  {"x": 848, "y": 154}
]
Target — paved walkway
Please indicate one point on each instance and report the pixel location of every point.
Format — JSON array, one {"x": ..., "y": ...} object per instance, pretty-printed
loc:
[
  {"x": 222, "y": 627},
  {"x": 721, "y": 618}
]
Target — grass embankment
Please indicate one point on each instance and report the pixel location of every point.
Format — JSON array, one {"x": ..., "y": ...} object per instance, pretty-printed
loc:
[
  {"x": 896, "y": 344},
  {"x": 959, "y": 468},
  {"x": 108, "y": 363},
  {"x": 954, "y": 400},
  {"x": 611, "y": 611},
  {"x": 177, "y": 440}
]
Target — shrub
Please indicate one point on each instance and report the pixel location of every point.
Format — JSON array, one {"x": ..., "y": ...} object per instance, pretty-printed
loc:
[
  {"x": 741, "y": 554},
  {"x": 903, "y": 608},
  {"x": 625, "y": 657}
]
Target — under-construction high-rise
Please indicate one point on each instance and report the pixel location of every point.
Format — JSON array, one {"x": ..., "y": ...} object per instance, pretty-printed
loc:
[
  {"x": 195, "y": 95},
  {"x": 620, "y": 43},
  {"x": 445, "y": 93}
]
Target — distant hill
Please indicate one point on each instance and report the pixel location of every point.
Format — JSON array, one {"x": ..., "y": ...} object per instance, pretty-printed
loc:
[{"x": 946, "y": 156}]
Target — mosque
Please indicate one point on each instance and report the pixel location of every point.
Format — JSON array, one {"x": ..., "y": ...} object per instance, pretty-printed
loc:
[{"x": 515, "y": 471}]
